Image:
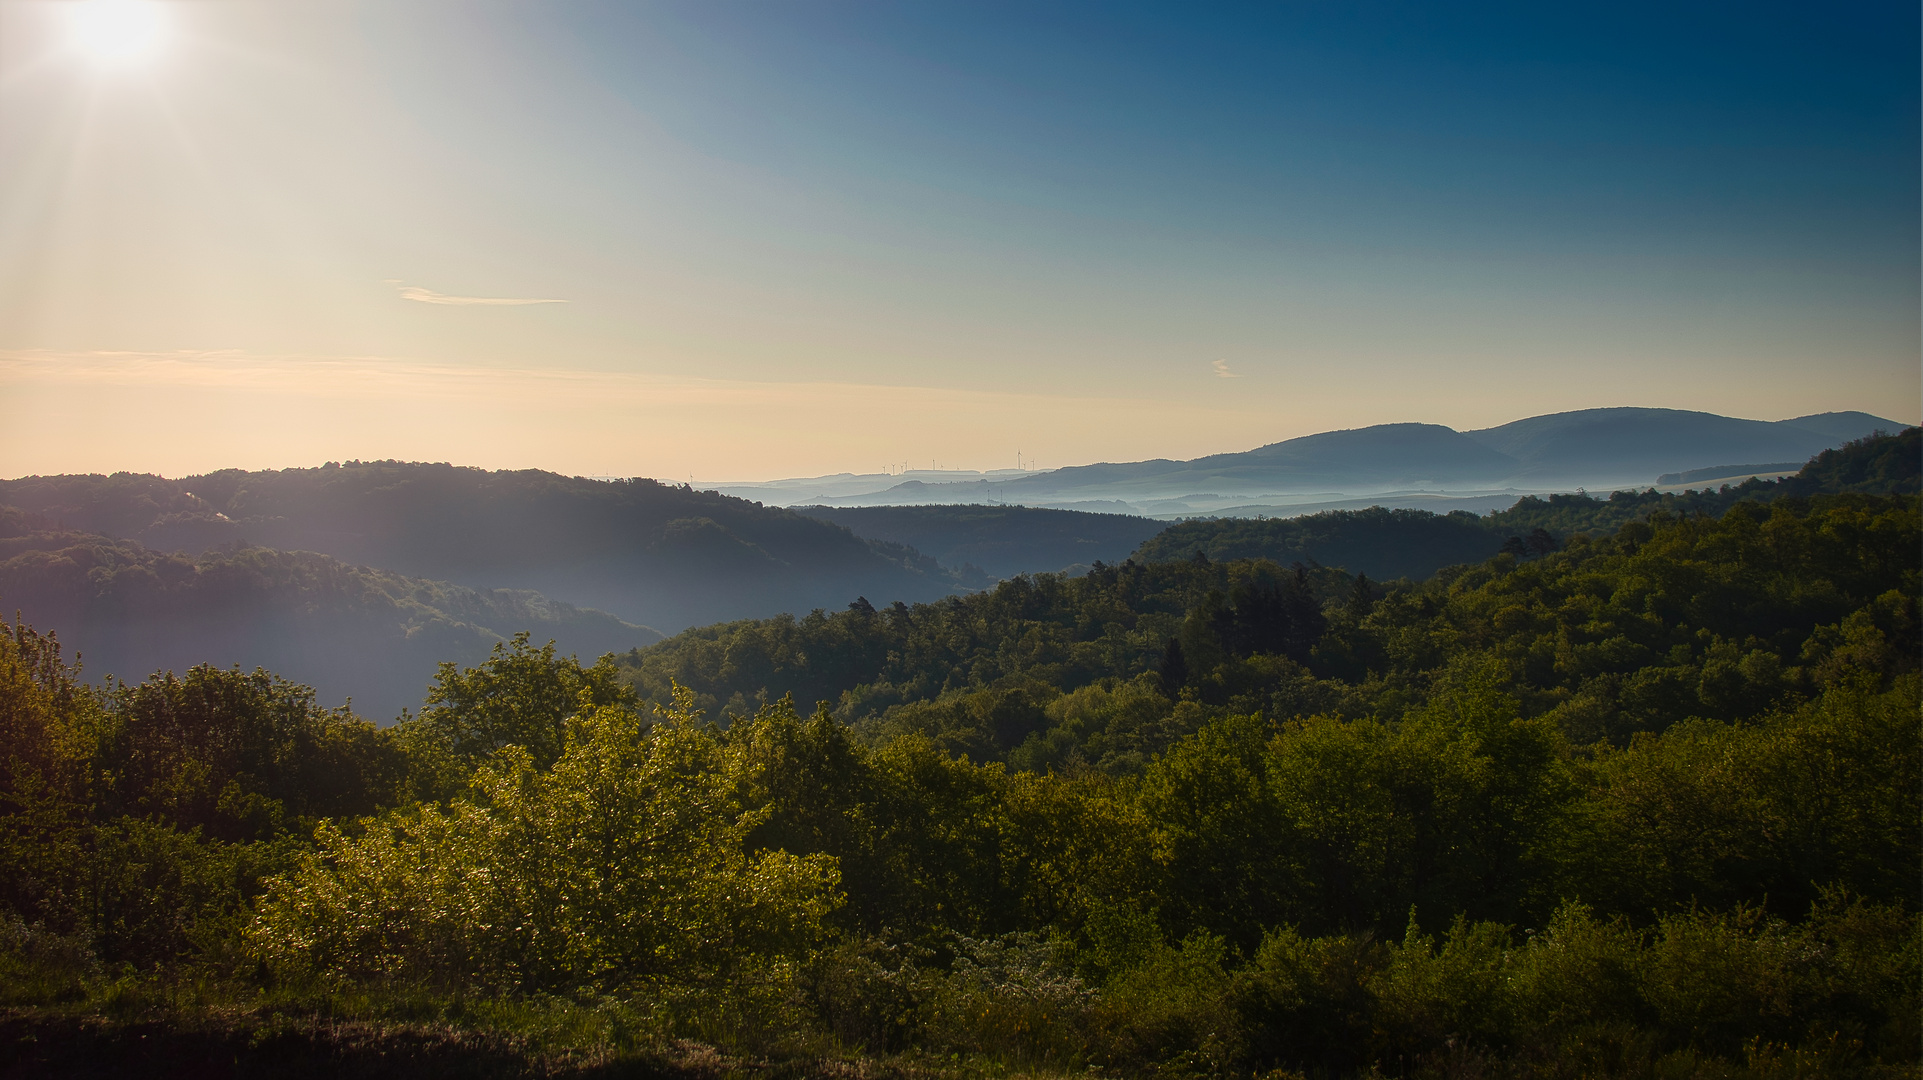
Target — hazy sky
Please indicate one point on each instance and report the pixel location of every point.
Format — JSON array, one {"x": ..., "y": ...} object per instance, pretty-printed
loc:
[{"x": 785, "y": 238}]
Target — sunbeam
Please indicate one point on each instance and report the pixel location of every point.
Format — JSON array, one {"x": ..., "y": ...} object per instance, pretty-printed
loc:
[{"x": 118, "y": 32}]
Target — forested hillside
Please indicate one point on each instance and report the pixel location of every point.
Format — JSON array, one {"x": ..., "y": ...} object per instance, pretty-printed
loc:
[
  {"x": 1416, "y": 543},
  {"x": 1642, "y": 806},
  {"x": 347, "y": 631},
  {"x": 1001, "y": 541},
  {"x": 1381, "y": 543},
  {"x": 647, "y": 552},
  {"x": 1670, "y": 617}
]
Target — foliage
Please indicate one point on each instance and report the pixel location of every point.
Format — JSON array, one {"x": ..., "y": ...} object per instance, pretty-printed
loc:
[
  {"x": 1879, "y": 465},
  {"x": 1645, "y": 805},
  {"x": 520, "y": 696},
  {"x": 1672, "y": 617},
  {"x": 239, "y": 755},
  {"x": 139, "y": 819},
  {"x": 1002, "y": 541},
  {"x": 1386, "y": 544},
  {"x": 623, "y": 864},
  {"x": 1725, "y": 813}
]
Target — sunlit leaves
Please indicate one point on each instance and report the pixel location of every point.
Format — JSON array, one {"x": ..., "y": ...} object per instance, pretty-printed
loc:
[{"x": 625, "y": 863}]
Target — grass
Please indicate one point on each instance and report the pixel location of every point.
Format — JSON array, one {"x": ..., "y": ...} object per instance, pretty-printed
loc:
[{"x": 91, "y": 1025}]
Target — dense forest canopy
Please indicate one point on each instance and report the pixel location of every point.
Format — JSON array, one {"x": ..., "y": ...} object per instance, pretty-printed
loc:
[
  {"x": 1382, "y": 543},
  {"x": 1628, "y": 803},
  {"x": 1670, "y": 617},
  {"x": 1002, "y": 541}
]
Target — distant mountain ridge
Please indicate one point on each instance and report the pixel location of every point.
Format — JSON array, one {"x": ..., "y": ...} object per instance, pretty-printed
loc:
[
  {"x": 1643, "y": 443},
  {"x": 1588, "y": 448},
  {"x": 1385, "y": 543},
  {"x": 1404, "y": 454}
]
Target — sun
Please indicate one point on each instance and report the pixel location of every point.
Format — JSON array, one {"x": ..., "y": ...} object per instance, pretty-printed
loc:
[{"x": 115, "y": 32}]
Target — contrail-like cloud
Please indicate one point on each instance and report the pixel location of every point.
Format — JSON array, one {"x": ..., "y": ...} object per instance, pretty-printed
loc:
[
  {"x": 429, "y": 296},
  {"x": 1222, "y": 370}
]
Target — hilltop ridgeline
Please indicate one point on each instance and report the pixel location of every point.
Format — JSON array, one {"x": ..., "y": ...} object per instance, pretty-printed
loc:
[
  {"x": 347, "y": 631},
  {"x": 648, "y": 552},
  {"x": 1600, "y": 449}
]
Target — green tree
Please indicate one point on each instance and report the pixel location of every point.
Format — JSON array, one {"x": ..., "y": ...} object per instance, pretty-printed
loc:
[
  {"x": 520, "y": 696},
  {"x": 50, "y": 727},
  {"x": 240, "y": 755},
  {"x": 625, "y": 864}
]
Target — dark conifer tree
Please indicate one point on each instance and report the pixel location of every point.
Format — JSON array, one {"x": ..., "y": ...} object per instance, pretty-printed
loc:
[
  {"x": 1361, "y": 596},
  {"x": 1175, "y": 670}
]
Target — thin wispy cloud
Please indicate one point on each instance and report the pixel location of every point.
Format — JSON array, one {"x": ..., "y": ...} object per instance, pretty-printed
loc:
[
  {"x": 429, "y": 296},
  {"x": 1222, "y": 370}
]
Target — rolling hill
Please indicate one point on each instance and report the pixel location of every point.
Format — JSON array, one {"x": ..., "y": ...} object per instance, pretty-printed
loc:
[
  {"x": 1384, "y": 544},
  {"x": 647, "y": 552},
  {"x": 1633, "y": 446},
  {"x": 347, "y": 631},
  {"x": 1000, "y": 541},
  {"x": 1403, "y": 464}
]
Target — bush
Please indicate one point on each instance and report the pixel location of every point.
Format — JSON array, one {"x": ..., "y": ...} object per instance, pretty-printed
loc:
[
  {"x": 624, "y": 866},
  {"x": 1012, "y": 997},
  {"x": 39, "y": 967},
  {"x": 1172, "y": 1007}
]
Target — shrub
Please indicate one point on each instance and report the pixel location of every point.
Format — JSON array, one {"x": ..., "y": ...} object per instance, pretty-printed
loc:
[{"x": 623, "y": 866}]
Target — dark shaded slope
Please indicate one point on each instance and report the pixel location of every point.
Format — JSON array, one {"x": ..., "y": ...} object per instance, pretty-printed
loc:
[
  {"x": 1001, "y": 540},
  {"x": 345, "y": 630},
  {"x": 1885, "y": 465},
  {"x": 1880, "y": 465},
  {"x": 1380, "y": 543},
  {"x": 667, "y": 556}
]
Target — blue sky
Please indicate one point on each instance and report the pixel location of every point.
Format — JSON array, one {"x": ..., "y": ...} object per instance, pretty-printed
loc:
[{"x": 1088, "y": 231}]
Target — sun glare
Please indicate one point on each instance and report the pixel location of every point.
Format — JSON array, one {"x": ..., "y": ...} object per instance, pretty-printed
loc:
[{"x": 117, "y": 31}]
